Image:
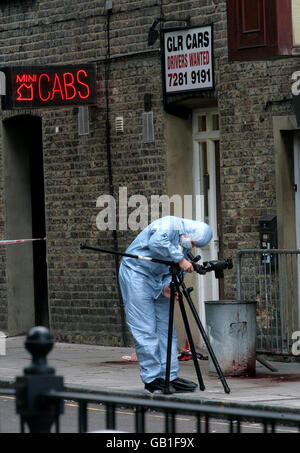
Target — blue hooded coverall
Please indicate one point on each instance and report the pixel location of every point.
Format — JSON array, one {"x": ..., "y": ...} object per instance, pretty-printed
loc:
[{"x": 142, "y": 284}]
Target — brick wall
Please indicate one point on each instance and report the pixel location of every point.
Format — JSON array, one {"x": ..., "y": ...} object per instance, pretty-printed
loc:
[
  {"x": 247, "y": 144},
  {"x": 83, "y": 296}
]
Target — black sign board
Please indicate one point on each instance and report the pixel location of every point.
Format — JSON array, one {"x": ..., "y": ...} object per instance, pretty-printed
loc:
[{"x": 49, "y": 86}]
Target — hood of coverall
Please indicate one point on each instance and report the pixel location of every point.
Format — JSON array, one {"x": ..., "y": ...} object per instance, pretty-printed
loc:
[{"x": 199, "y": 232}]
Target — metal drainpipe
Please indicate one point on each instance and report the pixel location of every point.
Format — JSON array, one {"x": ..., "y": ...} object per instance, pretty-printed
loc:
[{"x": 109, "y": 166}]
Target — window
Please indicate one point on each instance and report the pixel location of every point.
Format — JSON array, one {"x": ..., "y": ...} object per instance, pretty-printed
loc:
[{"x": 259, "y": 28}]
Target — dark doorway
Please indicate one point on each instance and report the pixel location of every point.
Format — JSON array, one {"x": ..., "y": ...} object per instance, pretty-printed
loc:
[{"x": 25, "y": 218}]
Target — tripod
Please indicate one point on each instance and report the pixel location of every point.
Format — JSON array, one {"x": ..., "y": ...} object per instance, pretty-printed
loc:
[{"x": 177, "y": 286}]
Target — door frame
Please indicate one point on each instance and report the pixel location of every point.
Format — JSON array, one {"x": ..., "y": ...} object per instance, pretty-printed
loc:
[
  {"x": 297, "y": 181},
  {"x": 207, "y": 285},
  {"x": 24, "y": 215},
  {"x": 296, "y": 150}
]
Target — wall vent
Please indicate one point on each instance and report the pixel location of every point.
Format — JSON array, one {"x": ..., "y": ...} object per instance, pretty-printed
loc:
[{"x": 119, "y": 124}]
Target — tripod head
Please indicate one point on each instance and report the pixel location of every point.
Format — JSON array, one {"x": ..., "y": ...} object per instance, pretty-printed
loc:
[{"x": 217, "y": 266}]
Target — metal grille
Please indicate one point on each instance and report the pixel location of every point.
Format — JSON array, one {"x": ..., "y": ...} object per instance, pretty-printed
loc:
[
  {"x": 83, "y": 120},
  {"x": 272, "y": 279}
]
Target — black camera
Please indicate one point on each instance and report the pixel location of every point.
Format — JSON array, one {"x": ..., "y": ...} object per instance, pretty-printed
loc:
[{"x": 217, "y": 266}]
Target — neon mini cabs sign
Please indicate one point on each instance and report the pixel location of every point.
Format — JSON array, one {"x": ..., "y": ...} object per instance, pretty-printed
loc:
[{"x": 49, "y": 86}]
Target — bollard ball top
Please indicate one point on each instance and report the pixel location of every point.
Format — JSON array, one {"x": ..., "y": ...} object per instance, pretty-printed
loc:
[
  {"x": 39, "y": 333},
  {"x": 39, "y": 340}
]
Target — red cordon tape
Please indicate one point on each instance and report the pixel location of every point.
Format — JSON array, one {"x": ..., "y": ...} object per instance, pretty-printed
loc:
[{"x": 20, "y": 241}]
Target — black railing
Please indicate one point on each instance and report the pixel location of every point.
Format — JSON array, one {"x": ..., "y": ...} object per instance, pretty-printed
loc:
[
  {"x": 40, "y": 397},
  {"x": 203, "y": 414}
]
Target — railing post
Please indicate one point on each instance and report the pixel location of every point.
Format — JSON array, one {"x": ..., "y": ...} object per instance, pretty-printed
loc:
[
  {"x": 82, "y": 417},
  {"x": 39, "y": 378}
]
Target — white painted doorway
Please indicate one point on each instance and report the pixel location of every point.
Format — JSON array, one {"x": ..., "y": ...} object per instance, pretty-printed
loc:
[{"x": 206, "y": 138}]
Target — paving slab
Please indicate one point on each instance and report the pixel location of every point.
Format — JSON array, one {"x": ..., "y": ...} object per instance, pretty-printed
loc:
[{"x": 103, "y": 369}]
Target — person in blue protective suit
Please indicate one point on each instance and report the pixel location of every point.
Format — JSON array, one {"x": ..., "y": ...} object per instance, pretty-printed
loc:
[{"x": 145, "y": 287}]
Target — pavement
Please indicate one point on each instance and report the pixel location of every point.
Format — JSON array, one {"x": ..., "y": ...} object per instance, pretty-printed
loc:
[{"x": 104, "y": 370}]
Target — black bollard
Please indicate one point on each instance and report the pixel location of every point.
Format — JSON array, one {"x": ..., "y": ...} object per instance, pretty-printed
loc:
[{"x": 39, "y": 378}]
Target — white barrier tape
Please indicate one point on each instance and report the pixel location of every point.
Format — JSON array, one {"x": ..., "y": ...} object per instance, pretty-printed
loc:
[{"x": 20, "y": 241}]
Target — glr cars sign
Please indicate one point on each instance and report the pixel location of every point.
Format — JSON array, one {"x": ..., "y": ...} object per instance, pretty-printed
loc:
[
  {"x": 188, "y": 59},
  {"x": 48, "y": 86}
]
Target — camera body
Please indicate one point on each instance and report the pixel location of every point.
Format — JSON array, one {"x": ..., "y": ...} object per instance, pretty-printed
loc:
[{"x": 217, "y": 266}]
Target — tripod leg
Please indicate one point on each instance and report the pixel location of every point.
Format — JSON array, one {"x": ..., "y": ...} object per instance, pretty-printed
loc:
[
  {"x": 170, "y": 334},
  {"x": 191, "y": 342},
  {"x": 205, "y": 338}
]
